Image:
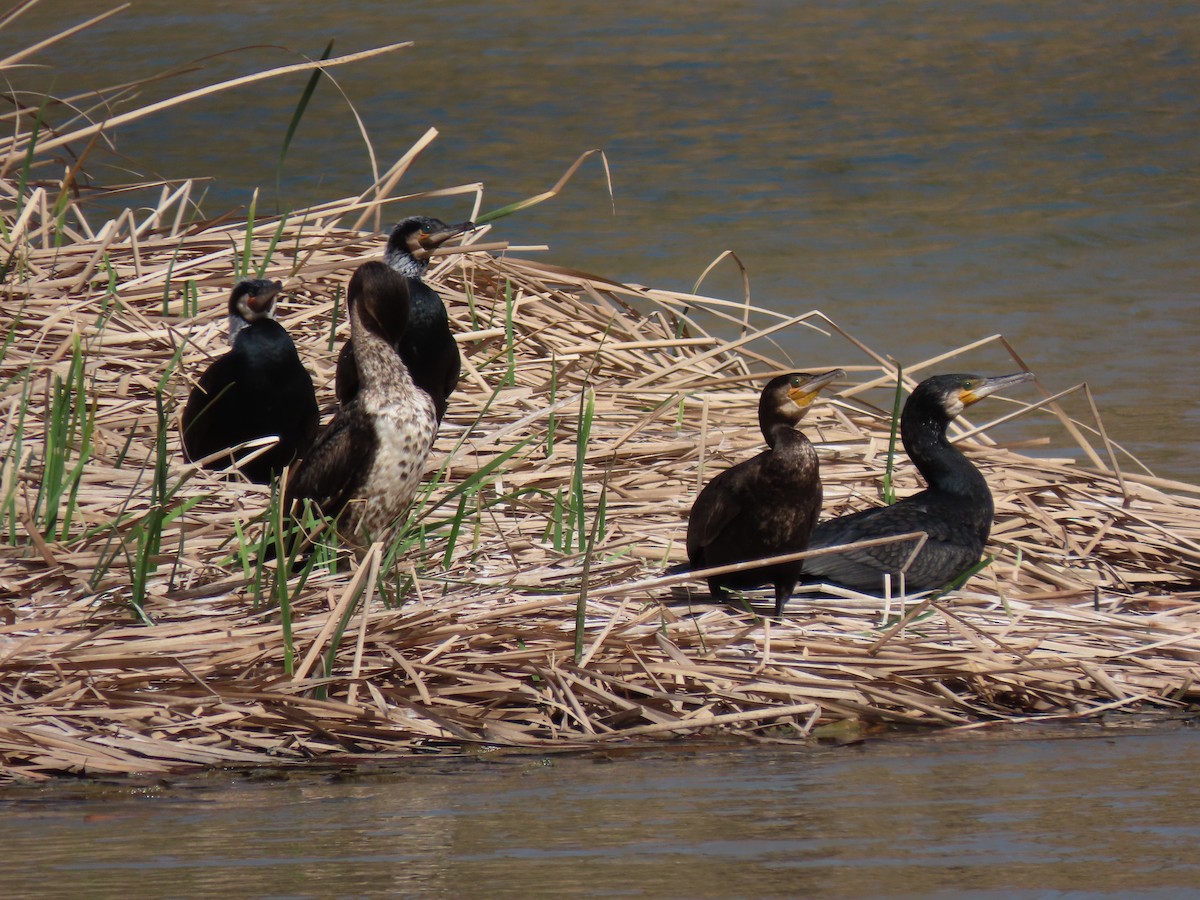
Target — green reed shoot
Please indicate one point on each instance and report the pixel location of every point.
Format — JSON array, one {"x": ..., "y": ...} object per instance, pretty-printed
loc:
[
  {"x": 11, "y": 464},
  {"x": 271, "y": 247},
  {"x": 279, "y": 589},
  {"x": 510, "y": 377},
  {"x": 150, "y": 529},
  {"x": 9, "y": 339},
  {"x": 333, "y": 319},
  {"x": 587, "y": 409},
  {"x": 124, "y": 451},
  {"x": 68, "y": 425},
  {"x": 148, "y": 533},
  {"x": 595, "y": 534},
  {"x": 959, "y": 580},
  {"x": 335, "y": 639},
  {"x": 281, "y": 538},
  {"x": 889, "y": 490},
  {"x": 191, "y": 299},
  {"x": 555, "y": 525},
  {"x": 242, "y": 265},
  {"x": 455, "y": 526},
  {"x": 297, "y": 115},
  {"x": 166, "y": 297},
  {"x": 471, "y": 310},
  {"x": 419, "y": 524},
  {"x": 567, "y": 527}
]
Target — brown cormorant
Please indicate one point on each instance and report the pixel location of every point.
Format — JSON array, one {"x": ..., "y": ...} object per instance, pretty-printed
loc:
[
  {"x": 259, "y": 388},
  {"x": 364, "y": 468},
  {"x": 427, "y": 346},
  {"x": 955, "y": 510},
  {"x": 765, "y": 506}
]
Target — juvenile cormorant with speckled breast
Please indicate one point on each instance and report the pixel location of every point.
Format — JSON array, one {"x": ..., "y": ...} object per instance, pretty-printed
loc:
[
  {"x": 365, "y": 467},
  {"x": 427, "y": 346},
  {"x": 768, "y": 505},
  {"x": 258, "y": 389},
  {"x": 955, "y": 510}
]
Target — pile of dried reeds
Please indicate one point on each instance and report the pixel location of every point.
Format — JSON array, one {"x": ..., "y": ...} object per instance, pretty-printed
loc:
[{"x": 138, "y": 633}]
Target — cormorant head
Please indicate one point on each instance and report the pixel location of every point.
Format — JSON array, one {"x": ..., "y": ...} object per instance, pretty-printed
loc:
[
  {"x": 951, "y": 394},
  {"x": 381, "y": 297},
  {"x": 251, "y": 301},
  {"x": 786, "y": 398},
  {"x": 414, "y": 239}
]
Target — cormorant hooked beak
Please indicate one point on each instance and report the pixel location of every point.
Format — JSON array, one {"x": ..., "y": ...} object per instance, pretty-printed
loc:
[
  {"x": 430, "y": 241},
  {"x": 977, "y": 389},
  {"x": 265, "y": 298},
  {"x": 804, "y": 393}
]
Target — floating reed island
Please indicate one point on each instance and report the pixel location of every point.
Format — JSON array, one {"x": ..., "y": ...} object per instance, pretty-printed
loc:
[{"x": 525, "y": 604}]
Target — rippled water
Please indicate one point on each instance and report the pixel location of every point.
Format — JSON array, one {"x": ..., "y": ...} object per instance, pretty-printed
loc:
[
  {"x": 1069, "y": 817},
  {"x": 926, "y": 173}
]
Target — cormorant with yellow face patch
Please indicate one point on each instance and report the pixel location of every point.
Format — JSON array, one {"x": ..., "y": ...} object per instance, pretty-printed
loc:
[
  {"x": 768, "y": 505},
  {"x": 955, "y": 510}
]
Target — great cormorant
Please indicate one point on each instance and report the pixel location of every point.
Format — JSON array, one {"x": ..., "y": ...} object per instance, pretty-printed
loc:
[
  {"x": 365, "y": 467},
  {"x": 955, "y": 510},
  {"x": 765, "y": 506},
  {"x": 259, "y": 388},
  {"x": 427, "y": 345}
]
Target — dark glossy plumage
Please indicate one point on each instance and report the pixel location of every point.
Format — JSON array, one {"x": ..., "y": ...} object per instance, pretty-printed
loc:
[
  {"x": 765, "y": 506},
  {"x": 427, "y": 346},
  {"x": 259, "y": 388},
  {"x": 955, "y": 510},
  {"x": 364, "y": 468}
]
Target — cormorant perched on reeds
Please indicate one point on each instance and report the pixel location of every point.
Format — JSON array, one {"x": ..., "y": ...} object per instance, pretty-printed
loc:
[
  {"x": 365, "y": 467},
  {"x": 768, "y": 505},
  {"x": 955, "y": 510},
  {"x": 427, "y": 346},
  {"x": 259, "y": 388}
]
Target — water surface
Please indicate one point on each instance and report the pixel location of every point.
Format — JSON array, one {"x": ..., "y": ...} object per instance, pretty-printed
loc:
[
  {"x": 926, "y": 173},
  {"x": 1097, "y": 814}
]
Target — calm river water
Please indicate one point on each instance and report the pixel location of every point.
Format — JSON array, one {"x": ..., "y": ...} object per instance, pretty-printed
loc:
[
  {"x": 1081, "y": 816},
  {"x": 927, "y": 174}
]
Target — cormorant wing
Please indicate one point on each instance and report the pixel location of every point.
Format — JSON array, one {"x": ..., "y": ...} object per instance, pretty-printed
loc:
[
  {"x": 336, "y": 465},
  {"x": 202, "y": 414},
  {"x": 718, "y": 506},
  {"x": 947, "y": 552}
]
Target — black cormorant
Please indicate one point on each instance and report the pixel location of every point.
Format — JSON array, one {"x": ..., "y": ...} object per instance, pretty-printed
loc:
[
  {"x": 427, "y": 346},
  {"x": 365, "y": 467},
  {"x": 259, "y": 388},
  {"x": 955, "y": 510},
  {"x": 765, "y": 506}
]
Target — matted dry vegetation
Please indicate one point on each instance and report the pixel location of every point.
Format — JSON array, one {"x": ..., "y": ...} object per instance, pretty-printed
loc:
[{"x": 588, "y": 414}]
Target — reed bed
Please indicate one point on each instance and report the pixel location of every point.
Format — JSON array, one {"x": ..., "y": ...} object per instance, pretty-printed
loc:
[{"x": 526, "y": 604}]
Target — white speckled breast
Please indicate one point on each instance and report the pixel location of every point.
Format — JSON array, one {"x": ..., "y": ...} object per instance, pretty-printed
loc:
[
  {"x": 405, "y": 423},
  {"x": 406, "y": 431}
]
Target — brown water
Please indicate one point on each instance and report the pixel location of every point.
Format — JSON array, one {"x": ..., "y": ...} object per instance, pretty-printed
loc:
[
  {"x": 926, "y": 173},
  {"x": 1093, "y": 816}
]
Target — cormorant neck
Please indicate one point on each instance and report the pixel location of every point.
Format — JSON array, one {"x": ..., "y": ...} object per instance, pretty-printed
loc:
[
  {"x": 236, "y": 325},
  {"x": 405, "y": 263},
  {"x": 941, "y": 464},
  {"x": 379, "y": 365},
  {"x": 781, "y": 434}
]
